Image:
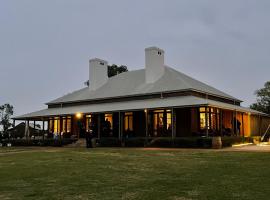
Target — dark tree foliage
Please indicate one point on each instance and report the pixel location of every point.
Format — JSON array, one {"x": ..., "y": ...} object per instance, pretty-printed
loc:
[
  {"x": 114, "y": 69},
  {"x": 6, "y": 111},
  {"x": 263, "y": 99}
]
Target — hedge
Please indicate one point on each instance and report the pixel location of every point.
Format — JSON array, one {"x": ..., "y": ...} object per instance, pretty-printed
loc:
[
  {"x": 109, "y": 142},
  {"x": 182, "y": 142},
  {"x": 136, "y": 142},
  {"x": 229, "y": 141},
  {"x": 46, "y": 142},
  {"x": 168, "y": 142}
]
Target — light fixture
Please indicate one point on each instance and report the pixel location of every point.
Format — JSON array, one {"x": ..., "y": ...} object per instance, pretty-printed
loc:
[
  {"x": 145, "y": 110},
  {"x": 78, "y": 115}
]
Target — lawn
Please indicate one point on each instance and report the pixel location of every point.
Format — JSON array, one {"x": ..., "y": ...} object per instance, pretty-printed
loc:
[{"x": 111, "y": 173}]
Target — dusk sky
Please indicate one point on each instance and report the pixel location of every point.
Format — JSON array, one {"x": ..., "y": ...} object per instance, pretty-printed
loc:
[{"x": 45, "y": 45}]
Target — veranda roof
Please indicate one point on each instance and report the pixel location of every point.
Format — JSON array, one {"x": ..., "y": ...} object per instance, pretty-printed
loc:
[{"x": 181, "y": 101}]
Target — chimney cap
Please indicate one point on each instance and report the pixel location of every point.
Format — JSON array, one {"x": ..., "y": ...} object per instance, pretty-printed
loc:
[
  {"x": 97, "y": 60},
  {"x": 154, "y": 48}
]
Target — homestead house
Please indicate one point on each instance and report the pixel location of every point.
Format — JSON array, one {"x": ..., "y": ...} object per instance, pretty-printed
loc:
[{"x": 157, "y": 101}]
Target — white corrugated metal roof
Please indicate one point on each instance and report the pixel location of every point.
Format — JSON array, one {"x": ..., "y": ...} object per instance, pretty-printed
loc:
[
  {"x": 133, "y": 83},
  {"x": 181, "y": 101}
]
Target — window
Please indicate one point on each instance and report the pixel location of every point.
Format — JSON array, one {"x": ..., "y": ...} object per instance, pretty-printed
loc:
[
  {"x": 109, "y": 117},
  {"x": 162, "y": 122},
  {"x": 204, "y": 115},
  {"x": 215, "y": 118},
  {"x": 169, "y": 121},
  {"x": 51, "y": 125},
  {"x": 64, "y": 124},
  {"x": 88, "y": 122},
  {"x": 56, "y": 127},
  {"x": 212, "y": 115},
  {"x": 128, "y": 121},
  {"x": 158, "y": 120},
  {"x": 202, "y": 121},
  {"x": 68, "y": 124}
]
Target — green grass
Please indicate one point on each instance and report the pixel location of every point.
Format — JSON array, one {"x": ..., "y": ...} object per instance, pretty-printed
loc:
[{"x": 107, "y": 173}]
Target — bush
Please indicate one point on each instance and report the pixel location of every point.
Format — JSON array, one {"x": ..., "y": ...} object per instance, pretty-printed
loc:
[
  {"x": 136, "y": 142},
  {"x": 109, "y": 142},
  {"x": 168, "y": 142},
  {"x": 182, "y": 142},
  {"x": 46, "y": 142},
  {"x": 229, "y": 141}
]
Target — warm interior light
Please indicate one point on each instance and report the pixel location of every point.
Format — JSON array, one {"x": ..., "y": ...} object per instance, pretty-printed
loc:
[
  {"x": 145, "y": 110},
  {"x": 78, "y": 115}
]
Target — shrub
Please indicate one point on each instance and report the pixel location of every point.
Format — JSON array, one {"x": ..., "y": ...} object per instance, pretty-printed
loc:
[
  {"x": 136, "y": 142},
  {"x": 182, "y": 142},
  {"x": 46, "y": 142},
  {"x": 109, "y": 142},
  {"x": 232, "y": 140}
]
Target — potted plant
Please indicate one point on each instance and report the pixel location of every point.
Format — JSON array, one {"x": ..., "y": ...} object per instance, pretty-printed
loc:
[{"x": 216, "y": 141}]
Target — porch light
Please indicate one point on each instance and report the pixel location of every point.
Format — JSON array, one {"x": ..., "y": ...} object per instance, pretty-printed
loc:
[
  {"x": 145, "y": 110},
  {"x": 79, "y": 115}
]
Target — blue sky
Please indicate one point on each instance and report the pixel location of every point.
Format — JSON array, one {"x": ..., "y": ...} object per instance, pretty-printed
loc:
[{"x": 45, "y": 45}]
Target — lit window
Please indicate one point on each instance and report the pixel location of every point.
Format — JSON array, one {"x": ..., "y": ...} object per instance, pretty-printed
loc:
[
  {"x": 202, "y": 109},
  {"x": 68, "y": 124},
  {"x": 88, "y": 122},
  {"x": 202, "y": 121},
  {"x": 109, "y": 117},
  {"x": 128, "y": 121},
  {"x": 56, "y": 125},
  {"x": 64, "y": 124},
  {"x": 158, "y": 120},
  {"x": 162, "y": 122},
  {"x": 158, "y": 111},
  {"x": 213, "y": 117},
  {"x": 169, "y": 120}
]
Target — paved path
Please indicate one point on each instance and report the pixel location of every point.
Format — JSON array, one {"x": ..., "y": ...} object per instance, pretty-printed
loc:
[{"x": 252, "y": 147}]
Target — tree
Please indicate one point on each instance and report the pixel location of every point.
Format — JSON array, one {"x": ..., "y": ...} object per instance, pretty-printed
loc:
[
  {"x": 114, "y": 69},
  {"x": 263, "y": 99},
  {"x": 6, "y": 111}
]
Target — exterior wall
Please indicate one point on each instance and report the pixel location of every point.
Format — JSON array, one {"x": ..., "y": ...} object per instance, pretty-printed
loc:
[
  {"x": 194, "y": 117},
  {"x": 183, "y": 122},
  {"x": 95, "y": 124},
  {"x": 258, "y": 125},
  {"x": 265, "y": 122},
  {"x": 246, "y": 126},
  {"x": 74, "y": 125},
  {"x": 116, "y": 124},
  {"x": 227, "y": 119},
  {"x": 139, "y": 123},
  {"x": 255, "y": 125}
]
